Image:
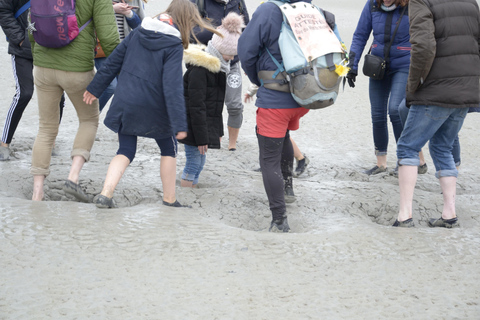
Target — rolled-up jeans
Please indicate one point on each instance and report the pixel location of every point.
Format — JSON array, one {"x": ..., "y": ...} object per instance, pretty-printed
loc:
[
  {"x": 194, "y": 164},
  {"x": 438, "y": 125},
  {"x": 50, "y": 85},
  {"x": 403, "y": 111}
]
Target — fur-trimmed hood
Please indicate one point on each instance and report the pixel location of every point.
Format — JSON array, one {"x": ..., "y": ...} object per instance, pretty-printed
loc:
[{"x": 195, "y": 55}]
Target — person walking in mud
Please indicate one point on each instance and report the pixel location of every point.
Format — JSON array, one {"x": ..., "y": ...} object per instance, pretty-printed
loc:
[
  {"x": 214, "y": 11},
  {"x": 69, "y": 69},
  {"x": 443, "y": 83},
  {"x": 204, "y": 83},
  {"x": 14, "y": 22},
  {"x": 300, "y": 157},
  {"x": 388, "y": 20},
  {"x": 277, "y": 112},
  {"x": 149, "y": 100}
]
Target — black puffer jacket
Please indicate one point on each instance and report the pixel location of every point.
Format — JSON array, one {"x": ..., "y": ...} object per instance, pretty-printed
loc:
[
  {"x": 204, "y": 86},
  {"x": 445, "y": 61},
  {"x": 15, "y": 29}
]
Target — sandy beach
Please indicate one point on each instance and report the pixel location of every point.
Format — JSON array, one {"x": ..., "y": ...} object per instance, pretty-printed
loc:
[{"x": 60, "y": 259}]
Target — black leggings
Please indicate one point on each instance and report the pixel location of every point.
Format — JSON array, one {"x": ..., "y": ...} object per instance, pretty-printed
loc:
[
  {"x": 23, "y": 75},
  {"x": 128, "y": 146},
  {"x": 276, "y": 155}
]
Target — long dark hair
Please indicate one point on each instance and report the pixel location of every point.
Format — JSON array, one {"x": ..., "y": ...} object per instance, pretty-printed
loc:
[{"x": 186, "y": 16}]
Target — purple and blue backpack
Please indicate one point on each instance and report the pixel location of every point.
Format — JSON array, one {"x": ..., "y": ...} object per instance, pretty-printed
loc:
[{"x": 54, "y": 23}]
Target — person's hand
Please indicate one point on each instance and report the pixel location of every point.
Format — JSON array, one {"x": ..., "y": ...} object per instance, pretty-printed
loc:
[
  {"x": 122, "y": 8},
  {"x": 20, "y": 44},
  {"x": 88, "y": 98},
  {"x": 247, "y": 98},
  {"x": 351, "y": 77},
  {"x": 181, "y": 135},
  {"x": 203, "y": 149}
]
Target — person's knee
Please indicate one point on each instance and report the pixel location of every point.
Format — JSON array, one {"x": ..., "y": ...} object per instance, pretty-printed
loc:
[
  {"x": 127, "y": 153},
  {"x": 235, "y": 118}
]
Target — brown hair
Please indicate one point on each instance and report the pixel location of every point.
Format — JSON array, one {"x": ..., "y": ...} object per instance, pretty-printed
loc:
[
  {"x": 186, "y": 16},
  {"x": 401, "y": 3}
]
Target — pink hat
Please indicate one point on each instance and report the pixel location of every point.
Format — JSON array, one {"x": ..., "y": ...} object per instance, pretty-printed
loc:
[{"x": 231, "y": 28}]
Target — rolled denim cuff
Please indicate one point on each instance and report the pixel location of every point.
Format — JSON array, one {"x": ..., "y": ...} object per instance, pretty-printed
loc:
[
  {"x": 409, "y": 162},
  {"x": 446, "y": 173},
  {"x": 380, "y": 153},
  {"x": 189, "y": 177}
]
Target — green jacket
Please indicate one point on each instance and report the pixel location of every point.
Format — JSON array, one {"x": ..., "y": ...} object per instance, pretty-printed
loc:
[{"x": 79, "y": 54}]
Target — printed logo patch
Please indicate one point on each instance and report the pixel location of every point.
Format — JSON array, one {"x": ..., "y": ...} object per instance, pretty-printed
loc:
[{"x": 234, "y": 80}]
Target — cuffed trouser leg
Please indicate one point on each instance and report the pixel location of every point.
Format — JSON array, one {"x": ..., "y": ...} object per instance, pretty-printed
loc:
[{"x": 50, "y": 85}]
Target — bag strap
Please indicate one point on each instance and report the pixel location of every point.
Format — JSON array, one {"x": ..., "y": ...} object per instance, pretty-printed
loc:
[
  {"x": 22, "y": 9},
  {"x": 84, "y": 25},
  {"x": 387, "y": 49},
  {"x": 389, "y": 45},
  {"x": 279, "y": 65}
]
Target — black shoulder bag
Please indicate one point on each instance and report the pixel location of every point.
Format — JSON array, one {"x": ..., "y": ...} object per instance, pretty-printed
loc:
[{"x": 374, "y": 66}]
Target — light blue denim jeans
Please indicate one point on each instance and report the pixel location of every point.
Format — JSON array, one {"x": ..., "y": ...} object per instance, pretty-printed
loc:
[
  {"x": 438, "y": 125},
  {"x": 385, "y": 96},
  {"x": 403, "y": 111},
  {"x": 194, "y": 164}
]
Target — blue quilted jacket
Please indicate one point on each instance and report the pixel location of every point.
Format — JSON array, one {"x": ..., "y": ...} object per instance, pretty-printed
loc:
[{"x": 373, "y": 19}]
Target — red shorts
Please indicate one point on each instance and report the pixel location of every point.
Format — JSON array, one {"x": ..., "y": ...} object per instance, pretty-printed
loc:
[{"x": 274, "y": 123}]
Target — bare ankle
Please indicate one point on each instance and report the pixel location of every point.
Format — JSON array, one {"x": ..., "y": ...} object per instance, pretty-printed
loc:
[
  {"x": 37, "y": 196},
  {"x": 186, "y": 183}
]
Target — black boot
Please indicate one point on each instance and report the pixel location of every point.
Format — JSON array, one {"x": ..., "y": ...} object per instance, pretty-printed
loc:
[{"x": 289, "y": 194}]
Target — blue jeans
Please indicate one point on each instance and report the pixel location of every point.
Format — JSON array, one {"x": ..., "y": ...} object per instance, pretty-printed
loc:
[
  {"x": 194, "y": 164},
  {"x": 440, "y": 126},
  {"x": 403, "y": 111},
  {"x": 108, "y": 93},
  {"x": 385, "y": 96}
]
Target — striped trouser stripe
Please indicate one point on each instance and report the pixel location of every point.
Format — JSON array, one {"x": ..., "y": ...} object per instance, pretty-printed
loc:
[{"x": 13, "y": 106}]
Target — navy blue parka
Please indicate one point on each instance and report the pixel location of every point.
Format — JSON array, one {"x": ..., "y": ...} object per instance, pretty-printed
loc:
[{"x": 149, "y": 99}]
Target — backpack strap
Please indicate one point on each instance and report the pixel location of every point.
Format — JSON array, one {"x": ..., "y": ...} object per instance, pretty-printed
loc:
[
  {"x": 84, "y": 25},
  {"x": 22, "y": 9},
  {"x": 280, "y": 67}
]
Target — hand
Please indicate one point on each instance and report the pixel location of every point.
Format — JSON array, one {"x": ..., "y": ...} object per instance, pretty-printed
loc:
[
  {"x": 351, "y": 77},
  {"x": 20, "y": 44},
  {"x": 181, "y": 135},
  {"x": 247, "y": 98},
  {"x": 88, "y": 98},
  {"x": 203, "y": 149},
  {"x": 122, "y": 8}
]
